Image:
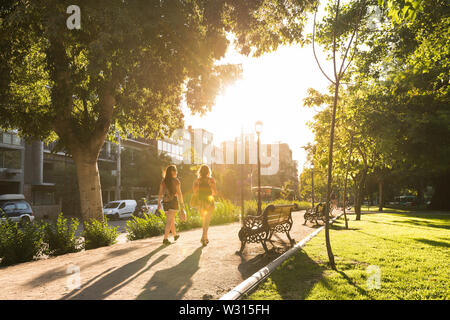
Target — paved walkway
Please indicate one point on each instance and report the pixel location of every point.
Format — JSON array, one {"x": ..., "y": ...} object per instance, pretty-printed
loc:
[{"x": 145, "y": 269}]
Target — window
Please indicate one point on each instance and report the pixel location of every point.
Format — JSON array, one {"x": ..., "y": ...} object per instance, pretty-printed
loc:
[
  {"x": 122, "y": 205},
  {"x": 21, "y": 206},
  {"x": 112, "y": 205},
  {"x": 7, "y": 138},
  {"x": 16, "y": 140},
  {"x": 10, "y": 159},
  {"x": 9, "y": 207}
]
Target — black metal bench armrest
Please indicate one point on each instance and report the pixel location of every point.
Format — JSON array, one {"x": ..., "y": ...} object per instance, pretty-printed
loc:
[{"x": 253, "y": 222}]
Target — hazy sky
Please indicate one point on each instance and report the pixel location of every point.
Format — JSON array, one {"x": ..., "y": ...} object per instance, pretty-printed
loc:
[{"x": 272, "y": 90}]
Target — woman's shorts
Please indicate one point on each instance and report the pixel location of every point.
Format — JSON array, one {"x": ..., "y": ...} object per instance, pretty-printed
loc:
[{"x": 171, "y": 205}]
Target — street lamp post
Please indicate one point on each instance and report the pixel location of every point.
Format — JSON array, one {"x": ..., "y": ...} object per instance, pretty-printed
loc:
[
  {"x": 258, "y": 129},
  {"x": 118, "y": 169}
]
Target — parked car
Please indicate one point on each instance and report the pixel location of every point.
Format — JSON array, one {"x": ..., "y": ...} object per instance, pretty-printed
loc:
[
  {"x": 119, "y": 209},
  {"x": 15, "y": 208}
]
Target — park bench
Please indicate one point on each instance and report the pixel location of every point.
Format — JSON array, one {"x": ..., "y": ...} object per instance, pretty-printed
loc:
[
  {"x": 316, "y": 213},
  {"x": 274, "y": 219}
]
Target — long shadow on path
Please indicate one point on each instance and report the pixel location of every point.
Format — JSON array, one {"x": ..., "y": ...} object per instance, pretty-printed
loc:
[
  {"x": 118, "y": 278},
  {"x": 172, "y": 283}
]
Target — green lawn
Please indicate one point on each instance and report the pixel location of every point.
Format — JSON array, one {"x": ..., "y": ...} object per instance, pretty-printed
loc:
[
  {"x": 392, "y": 209},
  {"x": 411, "y": 251}
]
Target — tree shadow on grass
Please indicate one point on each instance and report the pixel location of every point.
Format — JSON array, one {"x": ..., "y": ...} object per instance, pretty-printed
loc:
[
  {"x": 335, "y": 227},
  {"x": 352, "y": 283},
  {"x": 421, "y": 223},
  {"x": 434, "y": 243},
  {"x": 402, "y": 223},
  {"x": 249, "y": 266},
  {"x": 295, "y": 280},
  {"x": 113, "y": 281},
  {"x": 172, "y": 283}
]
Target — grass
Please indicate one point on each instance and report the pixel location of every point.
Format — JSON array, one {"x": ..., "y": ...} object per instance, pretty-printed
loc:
[
  {"x": 393, "y": 208},
  {"x": 411, "y": 251}
]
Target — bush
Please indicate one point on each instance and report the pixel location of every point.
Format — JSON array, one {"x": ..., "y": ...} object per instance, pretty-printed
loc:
[
  {"x": 303, "y": 205},
  {"x": 193, "y": 220},
  {"x": 251, "y": 207},
  {"x": 60, "y": 236},
  {"x": 20, "y": 244},
  {"x": 225, "y": 212},
  {"x": 99, "y": 234},
  {"x": 148, "y": 226}
]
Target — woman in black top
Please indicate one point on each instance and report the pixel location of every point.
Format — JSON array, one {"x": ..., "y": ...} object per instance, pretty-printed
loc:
[
  {"x": 205, "y": 188},
  {"x": 170, "y": 192}
]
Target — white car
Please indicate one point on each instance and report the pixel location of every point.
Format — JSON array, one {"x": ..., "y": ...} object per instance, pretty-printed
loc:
[
  {"x": 15, "y": 208},
  {"x": 119, "y": 209}
]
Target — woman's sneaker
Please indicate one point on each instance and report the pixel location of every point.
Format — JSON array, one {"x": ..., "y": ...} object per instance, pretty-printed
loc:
[
  {"x": 176, "y": 237},
  {"x": 166, "y": 242}
]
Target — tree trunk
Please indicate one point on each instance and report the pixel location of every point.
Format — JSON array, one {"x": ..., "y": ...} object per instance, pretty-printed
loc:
[
  {"x": 346, "y": 178},
  {"x": 380, "y": 195},
  {"x": 89, "y": 186},
  {"x": 329, "y": 180},
  {"x": 440, "y": 199},
  {"x": 358, "y": 203}
]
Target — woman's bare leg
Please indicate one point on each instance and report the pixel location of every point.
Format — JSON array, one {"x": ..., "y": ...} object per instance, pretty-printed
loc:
[
  {"x": 172, "y": 227},
  {"x": 206, "y": 217},
  {"x": 170, "y": 216}
]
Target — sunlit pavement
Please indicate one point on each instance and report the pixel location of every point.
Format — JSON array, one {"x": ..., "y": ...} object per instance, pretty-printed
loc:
[{"x": 145, "y": 269}]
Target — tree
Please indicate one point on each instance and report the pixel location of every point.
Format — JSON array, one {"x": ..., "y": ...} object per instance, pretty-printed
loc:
[
  {"x": 407, "y": 71},
  {"x": 126, "y": 69},
  {"x": 338, "y": 34}
]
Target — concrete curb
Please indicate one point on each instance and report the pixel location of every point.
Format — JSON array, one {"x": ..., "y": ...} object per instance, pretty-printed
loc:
[{"x": 264, "y": 272}]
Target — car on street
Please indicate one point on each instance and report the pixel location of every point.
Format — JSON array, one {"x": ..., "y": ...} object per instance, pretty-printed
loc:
[
  {"x": 119, "y": 209},
  {"x": 15, "y": 208}
]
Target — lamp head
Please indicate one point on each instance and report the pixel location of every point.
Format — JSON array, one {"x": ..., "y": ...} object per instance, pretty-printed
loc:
[{"x": 258, "y": 127}]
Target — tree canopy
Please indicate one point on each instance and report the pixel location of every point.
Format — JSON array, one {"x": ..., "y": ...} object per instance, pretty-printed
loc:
[{"x": 127, "y": 68}]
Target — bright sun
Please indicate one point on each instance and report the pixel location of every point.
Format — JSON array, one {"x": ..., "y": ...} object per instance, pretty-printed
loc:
[{"x": 272, "y": 90}]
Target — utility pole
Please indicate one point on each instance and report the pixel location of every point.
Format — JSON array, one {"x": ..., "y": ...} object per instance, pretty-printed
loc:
[
  {"x": 118, "y": 168},
  {"x": 242, "y": 173}
]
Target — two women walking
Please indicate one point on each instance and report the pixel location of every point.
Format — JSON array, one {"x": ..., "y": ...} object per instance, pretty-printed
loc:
[{"x": 204, "y": 190}]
